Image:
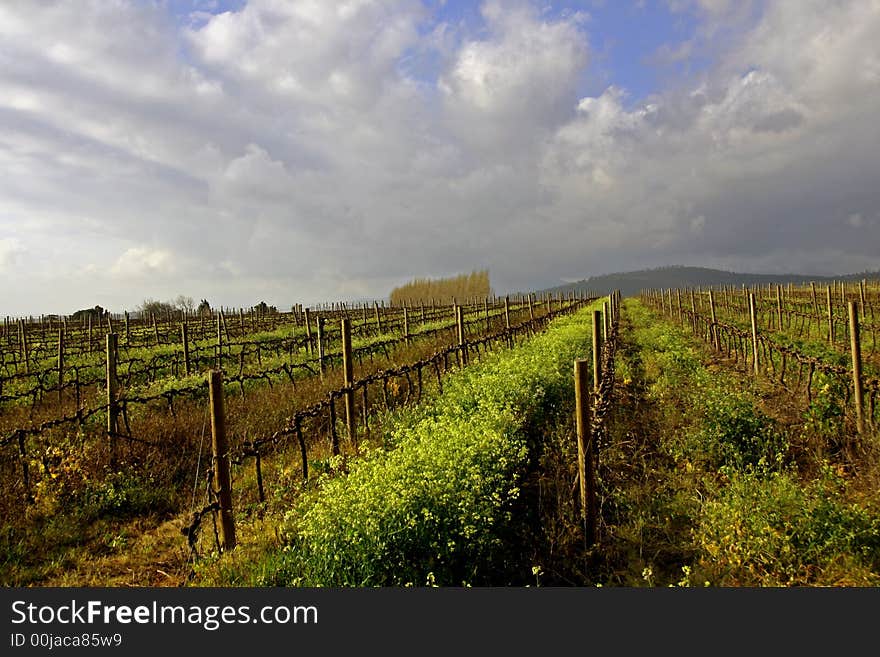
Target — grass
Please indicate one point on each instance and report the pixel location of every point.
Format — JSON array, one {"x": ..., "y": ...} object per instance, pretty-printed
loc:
[
  {"x": 439, "y": 499},
  {"x": 78, "y": 500},
  {"x": 707, "y": 481},
  {"x": 710, "y": 478}
]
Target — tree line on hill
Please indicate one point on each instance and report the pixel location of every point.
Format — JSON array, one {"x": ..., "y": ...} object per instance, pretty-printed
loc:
[
  {"x": 152, "y": 307},
  {"x": 677, "y": 276}
]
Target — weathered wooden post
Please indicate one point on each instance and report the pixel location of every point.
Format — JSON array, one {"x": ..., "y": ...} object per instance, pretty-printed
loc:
[
  {"x": 112, "y": 403},
  {"x": 815, "y": 306},
  {"x": 309, "y": 331},
  {"x": 531, "y": 309},
  {"x": 606, "y": 321},
  {"x": 779, "y": 307},
  {"x": 321, "y": 344},
  {"x": 222, "y": 485},
  {"x": 348, "y": 374},
  {"x": 127, "y": 330},
  {"x": 60, "y": 366},
  {"x": 714, "y": 330},
  {"x": 378, "y": 318},
  {"x": 830, "y": 318},
  {"x": 856, "y": 353},
  {"x": 507, "y": 321},
  {"x": 225, "y": 328},
  {"x": 25, "y": 353},
  {"x": 462, "y": 344},
  {"x": 405, "y": 325},
  {"x": 597, "y": 351},
  {"x": 90, "y": 332},
  {"x": 219, "y": 344},
  {"x": 184, "y": 330},
  {"x": 754, "y": 322},
  {"x": 586, "y": 472}
]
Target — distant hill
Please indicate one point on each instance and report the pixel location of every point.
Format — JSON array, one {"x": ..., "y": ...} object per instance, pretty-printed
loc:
[{"x": 632, "y": 282}]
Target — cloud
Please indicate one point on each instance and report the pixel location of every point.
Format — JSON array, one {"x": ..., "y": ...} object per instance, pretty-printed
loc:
[
  {"x": 312, "y": 151},
  {"x": 11, "y": 250},
  {"x": 143, "y": 262},
  {"x": 524, "y": 72}
]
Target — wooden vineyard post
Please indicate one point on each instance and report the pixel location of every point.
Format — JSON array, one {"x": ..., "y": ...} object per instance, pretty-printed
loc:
[
  {"x": 830, "y": 319},
  {"x": 222, "y": 487},
  {"x": 507, "y": 320},
  {"x": 485, "y": 310},
  {"x": 714, "y": 330},
  {"x": 25, "y": 355},
  {"x": 813, "y": 296},
  {"x": 225, "y": 328},
  {"x": 127, "y": 330},
  {"x": 309, "y": 331},
  {"x": 378, "y": 319},
  {"x": 112, "y": 404},
  {"x": 184, "y": 331},
  {"x": 779, "y": 307},
  {"x": 862, "y": 293},
  {"x": 607, "y": 322},
  {"x": 856, "y": 352},
  {"x": 219, "y": 344},
  {"x": 321, "y": 344},
  {"x": 678, "y": 296},
  {"x": 462, "y": 345},
  {"x": 586, "y": 472},
  {"x": 90, "y": 332},
  {"x": 693, "y": 312},
  {"x": 754, "y": 322},
  {"x": 155, "y": 328},
  {"x": 348, "y": 373},
  {"x": 597, "y": 351},
  {"x": 405, "y": 325},
  {"x": 60, "y": 365},
  {"x": 531, "y": 309}
]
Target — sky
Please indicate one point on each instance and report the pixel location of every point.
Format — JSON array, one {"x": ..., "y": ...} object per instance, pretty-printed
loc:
[{"x": 299, "y": 151}]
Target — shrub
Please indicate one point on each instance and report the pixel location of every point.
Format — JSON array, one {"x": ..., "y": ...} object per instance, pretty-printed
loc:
[{"x": 737, "y": 435}]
